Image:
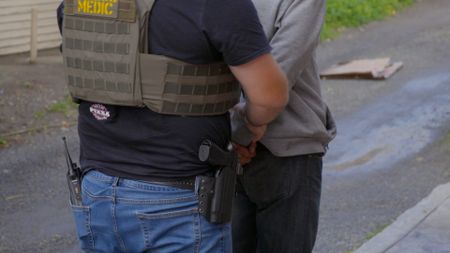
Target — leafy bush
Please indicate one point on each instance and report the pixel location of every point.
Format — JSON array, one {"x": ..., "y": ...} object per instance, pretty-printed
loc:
[{"x": 353, "y": 13}]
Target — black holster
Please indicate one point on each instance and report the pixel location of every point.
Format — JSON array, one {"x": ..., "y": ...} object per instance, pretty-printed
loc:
[{"x": 216, "y": 193}]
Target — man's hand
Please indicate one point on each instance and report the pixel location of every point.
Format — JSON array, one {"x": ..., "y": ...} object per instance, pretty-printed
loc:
[
  {"x": 246, "y": 154},
  {"x": 257, "y": 131}
]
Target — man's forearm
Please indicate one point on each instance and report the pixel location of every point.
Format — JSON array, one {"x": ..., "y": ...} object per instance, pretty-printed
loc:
[
  {"x": 265, "y": 87},
  {"x": 260, "y": 115}
]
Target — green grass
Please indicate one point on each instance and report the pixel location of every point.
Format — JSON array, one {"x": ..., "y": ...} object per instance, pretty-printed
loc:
[
  {"x": 3, "y": 142},
  {"x": 447, "y": 142},
  {"x": 27, "y": 84},
  {"x": 343, "y": 14},
  {"x": 371, "y": 235},
  {"x": 376, "y": 232},
  {"x": 63, "y": 106},
  {"x": 39, "y": 115}
]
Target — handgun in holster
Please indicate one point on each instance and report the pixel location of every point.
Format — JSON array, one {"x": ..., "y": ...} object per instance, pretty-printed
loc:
[
  {"x": 216, "y": 194},
  {"x": 73, "y": 178}
]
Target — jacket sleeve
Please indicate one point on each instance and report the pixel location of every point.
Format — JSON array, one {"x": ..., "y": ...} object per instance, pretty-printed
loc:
[{"x": 298, "y": 28}]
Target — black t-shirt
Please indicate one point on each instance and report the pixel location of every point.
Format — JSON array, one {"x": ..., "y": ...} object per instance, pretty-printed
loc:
[{"x": 138, "y": 143}]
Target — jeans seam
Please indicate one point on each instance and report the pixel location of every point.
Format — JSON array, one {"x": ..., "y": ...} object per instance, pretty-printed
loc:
[
  {"x": 145, "y": 231},
  {"x": 152, "y": 187},
  {"x": 222, "y": 239},
  {"x": 88, "y": 227},
  {"x": 89, "y": 194},
  {"x": 157, "y": 201},
  {"x": 113, "y": 215},
  {"x": 134, "y": 201},
  {"x": 99, "y": 177},
  {"x": 86, "y": 210},
  {"x": 197, "y": 237},
  {"x": 173, "y": 214}
]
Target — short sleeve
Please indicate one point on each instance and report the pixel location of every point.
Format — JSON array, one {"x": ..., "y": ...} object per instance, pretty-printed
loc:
[{"x": 234, "y": 29}]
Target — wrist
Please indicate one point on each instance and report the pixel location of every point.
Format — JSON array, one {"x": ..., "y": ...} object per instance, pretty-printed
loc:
[
  {"x": 243, "y": 110},
  {"x": 247, "y": 121}
]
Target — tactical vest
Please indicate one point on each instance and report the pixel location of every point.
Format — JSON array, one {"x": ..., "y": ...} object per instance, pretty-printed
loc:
[{"x": 105, "y": 49}]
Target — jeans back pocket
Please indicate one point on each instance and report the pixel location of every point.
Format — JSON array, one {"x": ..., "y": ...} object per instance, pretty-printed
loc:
[
  {"x": 82, "y": 221},
  {"x": 171, "y": 231}
]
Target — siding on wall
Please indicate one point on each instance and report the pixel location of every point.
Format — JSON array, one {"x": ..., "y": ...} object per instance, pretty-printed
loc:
[{"x": 15, "y": 25}]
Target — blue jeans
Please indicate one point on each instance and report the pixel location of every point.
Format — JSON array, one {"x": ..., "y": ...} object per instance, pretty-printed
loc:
[
  {"x": 277, "y": 205},
  {"x": 121, "y": 215}
]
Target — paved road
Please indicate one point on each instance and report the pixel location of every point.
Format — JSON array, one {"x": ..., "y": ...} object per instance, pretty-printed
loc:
[
  {"x": 34, "y": 213},
  {"x": 391, "y": 151}
]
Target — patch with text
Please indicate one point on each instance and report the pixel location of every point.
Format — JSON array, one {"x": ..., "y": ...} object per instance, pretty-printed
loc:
[
  {"x": 97, "y": 8},
  {"x": 100, "y": 112}
]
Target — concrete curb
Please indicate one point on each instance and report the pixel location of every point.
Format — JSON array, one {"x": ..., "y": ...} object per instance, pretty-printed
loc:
[{"x": 406, "y": 222}]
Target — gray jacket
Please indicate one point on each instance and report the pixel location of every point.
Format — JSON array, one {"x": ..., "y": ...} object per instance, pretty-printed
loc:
[{"x": 306, "y": 126}]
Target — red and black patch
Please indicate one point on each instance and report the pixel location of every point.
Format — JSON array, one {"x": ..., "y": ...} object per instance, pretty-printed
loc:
[{"x": 100, "y": 112}]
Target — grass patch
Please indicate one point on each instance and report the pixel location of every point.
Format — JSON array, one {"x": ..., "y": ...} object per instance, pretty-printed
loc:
[
  {"x": 27, "y": 84},
  {"x": 343, "y": 14},
  {"x": 39, "y": 115},
  {"x": 376, "y": 232},
  {"x": 447, "y": 142},
  {"x": 64, "y": 106},
  {"x": 371, "y": 235},
  {"x": 3, "y": 142}
]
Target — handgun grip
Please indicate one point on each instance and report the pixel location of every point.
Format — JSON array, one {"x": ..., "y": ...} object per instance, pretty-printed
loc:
[{"x": 214, "y": 155}]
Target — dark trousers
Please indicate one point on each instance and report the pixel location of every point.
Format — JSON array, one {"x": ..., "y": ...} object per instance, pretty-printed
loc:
[{"x": 276, "y": 209}]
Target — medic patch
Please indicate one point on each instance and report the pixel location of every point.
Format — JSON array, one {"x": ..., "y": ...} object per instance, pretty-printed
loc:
[
  {"x": 97, "y": 8},
  {"x": 100, "y": 112}
]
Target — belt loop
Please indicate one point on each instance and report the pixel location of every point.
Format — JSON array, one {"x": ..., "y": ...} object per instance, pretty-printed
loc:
[
  {"x": 116, "y": 181},
  {"x": 197, "y": 185}
]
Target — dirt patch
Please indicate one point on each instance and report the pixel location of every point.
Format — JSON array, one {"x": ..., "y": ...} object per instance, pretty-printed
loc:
[{"x": 33, "y": 97}]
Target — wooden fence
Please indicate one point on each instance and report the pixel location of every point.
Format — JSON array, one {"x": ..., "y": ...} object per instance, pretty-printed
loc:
[{"x": 15, "y": 25}]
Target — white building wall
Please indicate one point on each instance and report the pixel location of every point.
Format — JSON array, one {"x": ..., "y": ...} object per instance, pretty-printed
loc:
[{"x": 15, "y": 25}]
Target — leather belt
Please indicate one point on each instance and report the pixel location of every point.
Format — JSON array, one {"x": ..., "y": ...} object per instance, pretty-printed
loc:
[{"x": 187, "y": 184}]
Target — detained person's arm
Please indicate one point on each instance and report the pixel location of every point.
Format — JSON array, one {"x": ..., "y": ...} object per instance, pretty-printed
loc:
[
  {"x": 298, "y": 25},
  {"x": 297, "y": 30}
]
